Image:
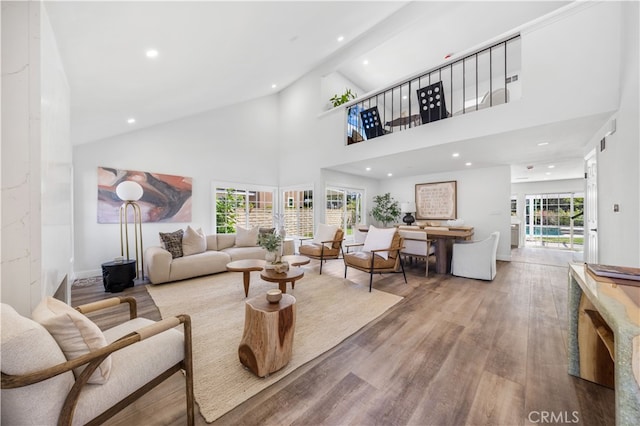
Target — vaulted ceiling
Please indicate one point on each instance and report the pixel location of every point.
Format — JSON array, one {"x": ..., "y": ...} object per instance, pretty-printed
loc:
[{"x": 214, "y": 53}]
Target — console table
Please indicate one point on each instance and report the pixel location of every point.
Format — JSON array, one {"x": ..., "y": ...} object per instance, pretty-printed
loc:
[{"x": 604, "y": 337}]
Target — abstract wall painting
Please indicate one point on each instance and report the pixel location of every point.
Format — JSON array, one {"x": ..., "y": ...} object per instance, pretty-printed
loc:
[{"x": 166, "y": 198}]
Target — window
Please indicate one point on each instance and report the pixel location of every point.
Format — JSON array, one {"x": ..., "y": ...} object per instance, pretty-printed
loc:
[
  {"x": 298, "y": 212},
  {"x": 244, "y": 205},
  {"x": 514, "y": 206}
]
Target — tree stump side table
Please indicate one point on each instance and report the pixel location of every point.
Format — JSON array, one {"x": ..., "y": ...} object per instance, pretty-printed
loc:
[{"x": 267, "y": 340}]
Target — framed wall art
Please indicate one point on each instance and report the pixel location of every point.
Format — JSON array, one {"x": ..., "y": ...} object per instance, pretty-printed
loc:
[
  {"x": 436, "y": 200},
  {"x": 165, "y": 198}
]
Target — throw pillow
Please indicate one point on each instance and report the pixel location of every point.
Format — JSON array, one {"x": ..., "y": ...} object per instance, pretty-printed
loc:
[
  {"x": 379, "y": 238},
  {"x": 75, "y": 333},
  {"x": 193, "y": 242},
  {"x": 247, "y": 237},
  {"x": 267, "y": 230},
  {"x": 173, "y": 242},
  {"x": 325, "y": 233}
]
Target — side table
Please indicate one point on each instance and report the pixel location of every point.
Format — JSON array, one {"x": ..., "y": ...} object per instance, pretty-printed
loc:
[
  {"x": 116, "y": 276},
  {"x": 267, "y": 340}
]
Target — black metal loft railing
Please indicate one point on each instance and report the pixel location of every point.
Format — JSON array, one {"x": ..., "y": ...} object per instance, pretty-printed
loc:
[{"x": 479, "y": 80}]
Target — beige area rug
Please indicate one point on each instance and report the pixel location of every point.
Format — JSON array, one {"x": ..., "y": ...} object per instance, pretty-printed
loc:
[{"x": 329, "y": 310}]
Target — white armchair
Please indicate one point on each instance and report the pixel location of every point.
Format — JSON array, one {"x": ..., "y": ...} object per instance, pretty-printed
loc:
[
  {"x": 475, "y": 259},
  {"x": 64, "y": 370},
  {"x": 416, "y": 244}
]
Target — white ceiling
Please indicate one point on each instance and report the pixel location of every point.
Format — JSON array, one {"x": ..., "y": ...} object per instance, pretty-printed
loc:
[
  {"x": 211, "y": 54},
  {"x": 214, "y": 53}
]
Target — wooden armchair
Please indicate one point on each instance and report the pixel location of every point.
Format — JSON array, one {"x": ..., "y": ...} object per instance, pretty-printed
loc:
[
  {"x": 417, "y": 245},
  {"x": 324, "y": 247},
  {"x": 373, "y": 262},
  {"x": 41, "y": 386}
]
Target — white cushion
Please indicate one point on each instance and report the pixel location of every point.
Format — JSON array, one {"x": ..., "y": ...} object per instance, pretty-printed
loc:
[
  {"x": 27, "y": 347},
  {"x": 325, "y": 233},
  {"x": 133, "y": 367},
  {"x": 193, "y": 242},
  {"x": 75, "y": 333},
  {"x": 379, "y": 238},
  {"x": 247, "y": 237}
]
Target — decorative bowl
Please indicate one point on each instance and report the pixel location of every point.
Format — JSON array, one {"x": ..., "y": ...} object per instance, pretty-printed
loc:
[
  {"x": 281, "y": 267},
  {"x": 274, "y": 296}
]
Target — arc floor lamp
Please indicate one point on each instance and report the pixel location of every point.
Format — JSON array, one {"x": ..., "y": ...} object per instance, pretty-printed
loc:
[{"x": 130, "y": 192}]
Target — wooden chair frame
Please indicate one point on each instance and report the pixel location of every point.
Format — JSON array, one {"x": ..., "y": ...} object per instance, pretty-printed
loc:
[
  {"x": 94, "y": 358},
  {"x": 323, "y": 258},
  {"x": 371, "y": 270},
  {"x": 429, "y": 243}
]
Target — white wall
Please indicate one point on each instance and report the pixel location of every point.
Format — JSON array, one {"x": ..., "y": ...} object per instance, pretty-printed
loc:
[
  {"x": 618, "y": 171},
  {"x": 57, "y": 203},
  {"x": 483, "y": 199},
  {"x": 21, "y": 261},
  {"x": 232, "y": 144},
  {"x": 36, "y": 159}
]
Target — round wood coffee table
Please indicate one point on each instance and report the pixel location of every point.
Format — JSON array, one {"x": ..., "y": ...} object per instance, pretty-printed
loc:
[
  {"x": 246, "y": 266},
  {"x": 282, "y": 278},
  {"x": 296, "y": 260}
]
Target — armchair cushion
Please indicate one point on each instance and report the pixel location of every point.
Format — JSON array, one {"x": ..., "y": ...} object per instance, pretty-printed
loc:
[
  {"x": 133, "y": 366},
  {"x": 18, "y": 333},
  {"x": 325, "y": 233},
  {"x": 317, "y": 251},
  {"x": 75, "y": 333},
  {"x": 379, "y": 238},
  {"x": 362, "y": 259}
]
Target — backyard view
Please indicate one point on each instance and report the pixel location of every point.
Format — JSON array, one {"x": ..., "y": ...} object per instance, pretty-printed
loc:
[{"x": 555, "y": 220}]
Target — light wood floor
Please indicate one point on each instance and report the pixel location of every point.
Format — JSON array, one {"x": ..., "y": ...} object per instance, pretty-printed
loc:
[{"x": 453, "y": 352}]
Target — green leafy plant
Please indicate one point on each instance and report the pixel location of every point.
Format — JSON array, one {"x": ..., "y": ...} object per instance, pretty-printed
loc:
[
  {"x": 385, "y": 209},
  {"x": 338, "y": 100},
  {"x": 270, "y": 241},
  {"x": 226, "y": 208}
]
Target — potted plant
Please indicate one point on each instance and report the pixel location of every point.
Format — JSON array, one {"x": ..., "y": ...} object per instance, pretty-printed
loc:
[
  {"x": 271, "y": 243},
  {"x": 338, "y": 100},
  {"x": 385, "y": 209}
]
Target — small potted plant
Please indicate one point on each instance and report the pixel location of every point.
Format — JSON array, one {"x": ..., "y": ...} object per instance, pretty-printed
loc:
[
  {"x": 385, "y": 209},
  {"x": 272, "y": 242},
  {"x": 338, "y": 100}
]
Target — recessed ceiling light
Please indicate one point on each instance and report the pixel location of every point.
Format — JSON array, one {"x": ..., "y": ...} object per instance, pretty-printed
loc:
[
  {"x": 340, "y": 38},
  {"x": 368, "y": 169},
  {"x": 151, "y": 53},
  {"x": 551, "y": 167},
  {"x": 543, "y": 143},
  {"x": 548, "y": 173},
  {"x": 467, "y": 164},
  {"x": 389, "y": 174},
  {"x": 273, "y": 86},
  {"x": 365, "y": 62},
  {"x": 455, "y": 154},
  {"x": 131, "y": 120}
]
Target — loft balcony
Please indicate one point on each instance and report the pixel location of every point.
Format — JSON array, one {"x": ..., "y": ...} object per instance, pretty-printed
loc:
[{"x": 480, "y": 80}]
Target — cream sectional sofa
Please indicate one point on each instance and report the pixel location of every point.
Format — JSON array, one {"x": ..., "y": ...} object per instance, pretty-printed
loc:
[{"x": 221, "y": 249}]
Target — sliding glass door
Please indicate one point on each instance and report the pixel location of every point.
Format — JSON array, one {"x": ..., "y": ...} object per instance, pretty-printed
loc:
[
  {"x": 555, "y": 220},
  {"x": 344, "y": 208}
]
